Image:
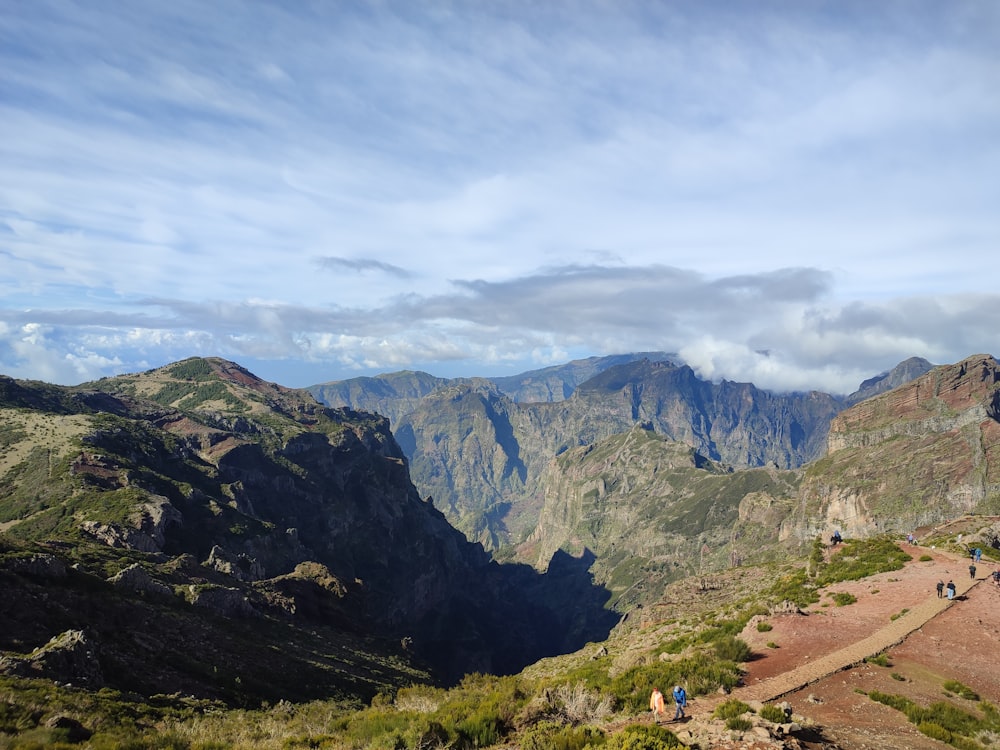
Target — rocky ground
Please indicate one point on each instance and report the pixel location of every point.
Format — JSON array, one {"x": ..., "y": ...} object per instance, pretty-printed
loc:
[{"x": 959, "y": 644}]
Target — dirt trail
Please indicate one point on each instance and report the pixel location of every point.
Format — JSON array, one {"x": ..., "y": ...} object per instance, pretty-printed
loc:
[{"x": 890, "y": 635}]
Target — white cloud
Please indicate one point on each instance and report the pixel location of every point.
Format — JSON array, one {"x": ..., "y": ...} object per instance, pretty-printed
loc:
[{"x": 380, "y": 186}]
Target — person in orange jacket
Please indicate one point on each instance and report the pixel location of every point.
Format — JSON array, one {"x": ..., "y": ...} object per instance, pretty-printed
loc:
[{"x": 656, "y": 704}]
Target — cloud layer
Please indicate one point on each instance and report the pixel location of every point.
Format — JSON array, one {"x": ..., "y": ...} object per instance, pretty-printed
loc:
[{"x": 796, "y": 194}]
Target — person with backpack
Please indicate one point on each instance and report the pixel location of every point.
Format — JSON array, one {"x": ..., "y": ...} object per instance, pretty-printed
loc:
[
  {"x": 951, "y": 589},
  {"x": 681, "y": 701}
]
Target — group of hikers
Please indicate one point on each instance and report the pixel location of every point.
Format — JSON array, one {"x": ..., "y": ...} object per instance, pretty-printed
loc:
[
  {"x": 975, "y": 556},
  {"x": 658, "y": 707},
  {"x": 941, "y": 589}
]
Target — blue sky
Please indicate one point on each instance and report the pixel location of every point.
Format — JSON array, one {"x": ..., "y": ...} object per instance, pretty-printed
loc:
[{"x": 800, "y": 194}]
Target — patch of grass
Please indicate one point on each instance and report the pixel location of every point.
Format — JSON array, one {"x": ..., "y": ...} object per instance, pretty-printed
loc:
[
  {"x": 731, "y": 709},
  {"x": 738, "y": 724},
  {"x": 843, "y": 598},
  {"x": 956, "y": 687},
  {"x": 860, "y": 558},
  {"x": 925, "y": 558},
  {"x": 764, "y": 627},
  {"x": 773, "y": 713},
  {"x": 772, "y": 644},
  {"x": 943, "y": 721},
  {"x": 899, "y": 614},
  {"x": 643, "y": 737},
  {"x": 898, "y": 677},
  {"x": 881, "y": 660}
]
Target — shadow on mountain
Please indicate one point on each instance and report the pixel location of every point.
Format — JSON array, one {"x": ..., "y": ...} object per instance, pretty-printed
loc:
[{"x": 521, "y": 616}]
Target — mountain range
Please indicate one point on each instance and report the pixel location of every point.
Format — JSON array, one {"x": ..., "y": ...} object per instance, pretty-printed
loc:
[
  {"x": 480, "y": 447},
  {"x": 197, "y": 529}
]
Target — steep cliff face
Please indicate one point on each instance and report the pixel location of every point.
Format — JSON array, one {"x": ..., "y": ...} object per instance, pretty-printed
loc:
[
  {"x": 645, "y": 510},
  {"x": 925, "y": 451},
  {"x": 482, "y": 456},
  {"x": 204, "y": 468}
]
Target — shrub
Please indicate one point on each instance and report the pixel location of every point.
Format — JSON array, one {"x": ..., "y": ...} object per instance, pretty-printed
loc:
[
  {"x": 642, "y": 737},
  {"x": 764, "y": 627},
  {"x": 881, "y": 660},
  {"x": 772, "y": 644},
  {"x": 900, "y": 614},
  {"x": 549, "y": 735},
  {"x": 580, "y": 705},
  {"x": 731, "y": 709},
  {"x": 956, "y": 687},
  {"x": 773, "y": 713},
  {"x": 738, "y": 724},
  {"x": 898, "y": 677},
  {"x": 925, "y": 558},
  {"x": 732, "y": 649},
  {"x": 842, "y": 598}
]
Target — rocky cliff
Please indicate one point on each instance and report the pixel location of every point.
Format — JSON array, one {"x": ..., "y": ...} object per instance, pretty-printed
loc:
[
  {"x": 247, "y": 499},
  {"x": 923, "y": 452},
  {"x": 481, "y": 455}
]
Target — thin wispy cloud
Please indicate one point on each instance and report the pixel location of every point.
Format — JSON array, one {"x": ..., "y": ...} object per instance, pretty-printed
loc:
[{"x": 793, "y": 194}]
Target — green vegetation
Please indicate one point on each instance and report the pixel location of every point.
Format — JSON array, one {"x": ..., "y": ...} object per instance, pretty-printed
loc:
[
  {"x": 956, "y": 687},
  {"x": 773, "y": 713},
  {"x": 943, "y": 721},
  {"x": 842, "y": 598},
  {"x": 881, "y": 660},
  {"x": 738, "y": 724},
  {"x": 194, "y": 368},
  {"x": 899, "y": 614},
  {"x": 764, "y": 627},
  {"x": 925, "y": 558},
  {"x": 731, "y": 709}
]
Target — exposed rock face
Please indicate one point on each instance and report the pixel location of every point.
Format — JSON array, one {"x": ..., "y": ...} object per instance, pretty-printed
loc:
[
  {"x": 926, "y": 451},
  {"x": 203, "y": 461},
  {"x": 645, "y": 511},
  {"x": 144, "y": 530},
  {"x": 135, "y": 578},
  {"x": 69, "y": 657},
  {"x": 242, "y": 567},
  {"x": 42, "y": 565},
  {"x": 228, "y": 602},
  {"x": 482, "y": 456}
]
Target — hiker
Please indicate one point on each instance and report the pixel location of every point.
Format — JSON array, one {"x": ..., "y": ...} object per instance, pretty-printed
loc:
[
  {"x": 940, "y": 589},
  {"x": 972, "y": 571},
  {"x": 951, "y": 589},
  {"x": 909, "y": 538},
  {"x": 656, "y": 705},
  {"x": 836, "y": 538},
  {"x": 979, "y": 554},
  {"x": 996, "y": 576},
  {"x": 681, "y": 701}
]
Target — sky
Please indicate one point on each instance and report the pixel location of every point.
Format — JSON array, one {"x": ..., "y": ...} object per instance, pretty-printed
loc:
[{"x": 798, "y": 194}]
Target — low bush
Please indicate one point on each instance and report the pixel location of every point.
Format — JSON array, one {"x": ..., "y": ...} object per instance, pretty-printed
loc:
[
  {"x": 643, "y": 737},
  {"x": 764, "y": 627},
  {"x": 738, "y": 724},
  {"x": 881, "y": 660},
  {"x": 842, "y": 598},
  {"x": 730, "y": 709},
  {"x": 773, "y": 713},
  {"x": 732, "y": 649},
  {"x": 956, "y": 687},
  {"x": 549, "y": 735}
]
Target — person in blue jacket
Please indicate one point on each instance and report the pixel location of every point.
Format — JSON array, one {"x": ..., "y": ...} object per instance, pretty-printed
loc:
[{"x": 681, "y": 701}]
